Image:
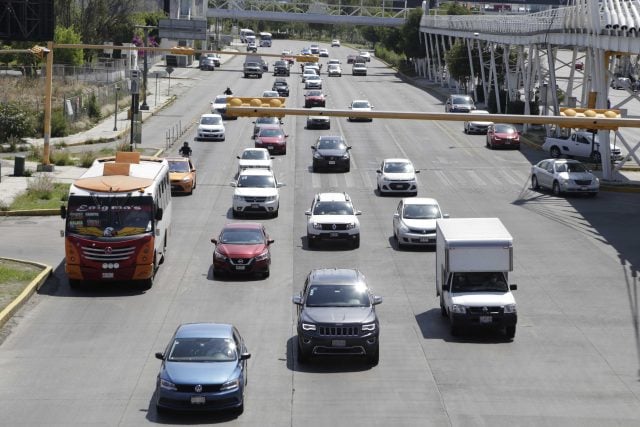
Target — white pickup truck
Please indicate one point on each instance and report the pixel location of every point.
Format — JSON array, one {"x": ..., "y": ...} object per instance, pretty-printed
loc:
[{"x": 578, "y": 144}]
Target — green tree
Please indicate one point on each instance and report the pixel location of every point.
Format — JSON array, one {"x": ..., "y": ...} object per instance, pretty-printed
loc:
[
  {"x": 15, "y": 121},
  {"x": 67, "y": 35},
  {"x": 410, "y": 30},
  {"x": 456, "y": 8}
]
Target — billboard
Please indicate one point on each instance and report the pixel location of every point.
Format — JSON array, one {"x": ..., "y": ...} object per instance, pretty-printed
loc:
[{"x": 26, "y": 20}]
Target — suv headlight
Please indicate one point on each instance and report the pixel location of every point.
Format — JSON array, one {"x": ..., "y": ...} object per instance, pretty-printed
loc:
[
  {"x": 186, "y": 179},
  {"x": 219, "y": 256},
  {"x": 308, "y": 327},
  {"x": 230, "y": 385},
  {"x": 403, "y": 227},
  {"x": 351, "y": 225},
  {"x": 167, "y": 385},
  {"x": 510, "y": 308},
  {"x": 317, "y": 155},
  {"x": 237, "y": 198},
  {"x": 264, "y": 255},
  {"x": 317, "y": 226},
  {"x": 458, "y": 309},
  {"x": 271, "y": 198},
  {"x": 369, "y": 327},
  {"x": 345, "y": 156}
]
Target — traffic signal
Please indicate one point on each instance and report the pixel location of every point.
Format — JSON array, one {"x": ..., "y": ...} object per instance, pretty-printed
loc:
[
  {"x": 266, "y": 102},
  {"x": 593, "y": 113},
  {"x": 182, "y": 50},
  {"x": 307, "y": 58}
]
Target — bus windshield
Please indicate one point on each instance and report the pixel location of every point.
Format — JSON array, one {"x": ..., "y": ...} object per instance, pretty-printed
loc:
[{"x": 109, "y": 216}]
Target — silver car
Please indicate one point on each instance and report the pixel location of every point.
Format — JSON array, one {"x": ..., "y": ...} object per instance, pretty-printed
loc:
[
  {"x": 414, "y": 222},
  {"x": 564, "y": 176}
]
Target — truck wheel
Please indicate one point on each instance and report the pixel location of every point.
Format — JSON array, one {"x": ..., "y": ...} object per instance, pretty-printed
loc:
[
  {"x": 374, "y": 357},
  {"x": 356, "y": 242},
  {"x": 556, "y": 189},
  {"x": 534, "y": 182},
  {"x": 455, "y": 329},
  {"x": 443, "y": 310},
  {"x": 510, "y": 331},
  {"x": 555, "y": 152},
  {"x": 596, "y": 157}
]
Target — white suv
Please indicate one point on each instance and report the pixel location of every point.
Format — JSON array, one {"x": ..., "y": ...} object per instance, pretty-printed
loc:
[
  {"x": 256, "y": 191},
  {"x": 332, "y": 217}
]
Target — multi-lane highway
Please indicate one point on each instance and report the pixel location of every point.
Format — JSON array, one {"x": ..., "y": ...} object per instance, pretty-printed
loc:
[{"x": 87, "y": 358}]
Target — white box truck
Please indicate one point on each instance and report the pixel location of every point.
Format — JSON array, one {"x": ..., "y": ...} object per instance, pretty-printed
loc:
[{"x": 473, "y": 259}]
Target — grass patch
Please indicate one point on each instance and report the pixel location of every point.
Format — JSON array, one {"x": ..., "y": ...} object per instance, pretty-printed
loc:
[
  {"x": 38, "y": 198},
  {"x": 14, "y": 277}
]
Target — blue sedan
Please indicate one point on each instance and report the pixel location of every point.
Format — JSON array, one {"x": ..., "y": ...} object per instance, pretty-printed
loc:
[{"x": 204, "y": 368}]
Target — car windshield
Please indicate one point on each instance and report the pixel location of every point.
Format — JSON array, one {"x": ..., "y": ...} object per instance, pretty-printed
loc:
[
  {"x": 314, "y": 93},
  {"x": 570, "y": 167},
  {"x": 256, "y": 181},
  {"x": 505, "y": 129},
  {"x": 270, "y": 94},
  {"x": 461, "y": 100},
  {"x": 211, "y": 121},
  {"x": 241, "y": 237},
  {"x": 333, "y": 208},
  {"x": 202, "y": 350},
  {"x": 331, "y": 144},
  {"x": 255, "y": 155},
  {"x": 313, "y": 77},
  {"x": 270, "y": 132},
  {"x": 421, "y": 212},
  {"x": 398, "y": 167},
  {"x": 479, "y": 282},
  {"x": 337, "y": 296},
  {"x": 267, "y": 120},
  {"x": 178, "y": 166},
  {"x": 222, "y": 99},
  {"x": 360, "y": 104}
]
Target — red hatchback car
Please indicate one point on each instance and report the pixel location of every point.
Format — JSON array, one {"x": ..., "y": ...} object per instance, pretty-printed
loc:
[
  {"x": 273, "y": 139},
  {"x": 314, "y": 98},
  {"x": 242, "y": 248},
  {"x": 500, "y": 135}
]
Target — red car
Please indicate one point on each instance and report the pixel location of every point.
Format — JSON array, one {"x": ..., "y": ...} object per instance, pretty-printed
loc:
[
  {"x": 272, "y": 138},
  {"x": 314, "y": 98},
  {"x": 242, "y": 248},
  {"x": 579, "y": 65},
  {"x": 500, "y": 135}
]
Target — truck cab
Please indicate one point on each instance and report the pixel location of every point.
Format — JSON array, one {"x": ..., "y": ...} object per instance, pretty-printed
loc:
[{"x": 578, "y": 144}]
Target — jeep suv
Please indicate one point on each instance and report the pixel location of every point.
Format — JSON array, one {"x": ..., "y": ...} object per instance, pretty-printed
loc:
[
  {"x": 252, "y": 69},
  {"x": 281, "y": 68},
  {"x": 332, "y": 217},
  {"x": 337, "y": 316}
]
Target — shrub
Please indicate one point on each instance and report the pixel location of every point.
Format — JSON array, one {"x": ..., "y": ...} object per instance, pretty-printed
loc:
[
  {"x": 93, "y": 109},
  {"x": 41, "y": 186},
  {"x": 35, "y": 153},
  {"x": 87, "y": 158},
  {"x": 59, "y": 125},
  {"x": 15, "y": 121},
  {"x": 61, "y": 158}
]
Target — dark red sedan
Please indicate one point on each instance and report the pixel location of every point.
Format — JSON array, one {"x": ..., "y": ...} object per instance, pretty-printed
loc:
[
  {"x": 314, "y": 98},
  {"x": 273, "y": 139},
  {"x": 242, "y": 248},
  {"x": 500, "y": 135}
]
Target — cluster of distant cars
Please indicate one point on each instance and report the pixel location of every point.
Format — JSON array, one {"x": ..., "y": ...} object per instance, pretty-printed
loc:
[{"x": 561, "y": 176}]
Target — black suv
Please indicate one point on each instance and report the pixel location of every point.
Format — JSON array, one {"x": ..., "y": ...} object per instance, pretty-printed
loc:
[
  {"x": 331, "y": 152},
  {"x": 281, "y": 68},
  {"x": 336, "y": 315},
  {"x": 281, "y": 86}
]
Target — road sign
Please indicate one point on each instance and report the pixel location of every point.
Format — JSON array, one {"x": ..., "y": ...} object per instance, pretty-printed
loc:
[{"x": 183, "y": 29}]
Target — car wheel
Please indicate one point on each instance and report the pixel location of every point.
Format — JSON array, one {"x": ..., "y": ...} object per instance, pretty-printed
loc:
[
  {"x": 555, "y": 152},
  {"x": 314, "y": 168},
  {"x": 348, "y": 168},
  {"x": 490, "y": 144},
  {"x": 455, "y": 329},
  {"x": 510, "y": 331},
  {"x": 275, "y": 214},
  {"x": 373, "y": 358},
  {"x": 356, "y": 242},
  {"x": 556, "y": 189},
  {"x": 303, "y": 356},
  {"x": 266, "y": 274},
  {"x": 534, "y": 183},
  {"x": 465, "y": 130},
  {"x": 596, "y": 157},
  {"x": 486, "y": 142},
  {"x": 235, "y": 213},
  {"x": 160, "y": 410},
  {"x": 443, "y": 309},
  {"x": 310, "y": 242},
  {"x": 594, "y": 194},
  {"x": 246, "y": 76},
  {"x": 75, "y": 284}
]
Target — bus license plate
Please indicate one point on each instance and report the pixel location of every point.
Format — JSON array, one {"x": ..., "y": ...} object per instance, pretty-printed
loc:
[
  {"x": 338, "y": 343},
  {"x": 239, "y": 267},
  {"x": 486, "y": 319},
  {"x": 198, "y": 400},
  {"x": 332, "y": 162},
  {"x": 108, "y": 275}
]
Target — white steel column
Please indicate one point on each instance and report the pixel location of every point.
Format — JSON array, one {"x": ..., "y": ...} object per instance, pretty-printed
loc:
[
  {"x": 482, "y": 75},
  {"x": 551, "y": 61},
  {"x": 439, "y": 69},
  {"x": 427, "y": 56},
  {"x": 472, "y": 78},
  {"x": 601, "y": 87},
  {"x": 494, "y": 73}
]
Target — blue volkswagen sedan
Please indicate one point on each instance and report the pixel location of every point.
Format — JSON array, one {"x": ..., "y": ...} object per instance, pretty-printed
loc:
[{"x": 204, "y": 368}]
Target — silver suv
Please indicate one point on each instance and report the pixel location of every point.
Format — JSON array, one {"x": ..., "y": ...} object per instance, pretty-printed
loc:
[
  {"x": 337, "y": 316},
  {"x": 332, "y": 217}
]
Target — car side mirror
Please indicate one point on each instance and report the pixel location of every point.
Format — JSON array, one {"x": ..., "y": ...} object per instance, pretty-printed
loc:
[
  {"x": 281, "y": 184},
  {"x": 233, "y": 184},
  {"x": 159, "y": 213},
  {"x": 238, "y": 157},
  {"x": 313, "y": 147},
  {"x": 378, "y": 171},
  {"x": 297, "y": 300},
  {"x": 513, "y": 287},
  {"x": 245, "y": 356},
  {"x": 349, "y": 147},
  {"x": 396, "y": 215},
  {"x": 214, "y": 241},
  {"x": 445, "y": 215},
  {"x": 160, "y": 356},
  {"x": 377, "y": 299},
  {"x": 417, "y": 171},
  {"x": 270, "y": 241},
  {"x": 358, "y": 212},
  {"x": 307, "y": 213},
  {"x": 286, "y": 135}
]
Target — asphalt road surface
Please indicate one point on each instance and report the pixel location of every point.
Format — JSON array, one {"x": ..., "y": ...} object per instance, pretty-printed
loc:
[{"x": 87, "y": 358}]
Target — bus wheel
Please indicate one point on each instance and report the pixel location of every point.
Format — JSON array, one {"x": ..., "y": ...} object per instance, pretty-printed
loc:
[{"x": 75, "y": 284}]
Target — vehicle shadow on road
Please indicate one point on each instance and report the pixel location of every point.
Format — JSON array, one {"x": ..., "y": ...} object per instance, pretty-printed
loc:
[
  {"x": 186, "y": 418},
  {"x": 233, "y": 278},
  {"x": 323, "y": 364},
  {"x": 393, "y": 243},
  {"x": 435, "y": 327}
]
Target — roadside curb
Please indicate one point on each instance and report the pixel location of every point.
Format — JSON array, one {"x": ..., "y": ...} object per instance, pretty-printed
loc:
[
  {"x": 35, "y": 284},
  {"x": 34, "y": 212}
]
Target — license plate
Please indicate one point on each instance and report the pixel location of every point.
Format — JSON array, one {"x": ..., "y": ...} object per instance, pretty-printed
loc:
[
  {"x": 240, "y": 267},
  {"x": 333, "y": 234},
  {"x": 425, "y": 239},
  {"x": 332, "y": 162},
  {"x": 270, "y": 147},
  {"x": 107, "y": 275},
  {"x": 398, "y": 186},
  {"x": 486, "y": 319},
  {"x": 338, "y": 343},
  {"x": 255, "y": 205},
  {"x": 198, "y": 400}
]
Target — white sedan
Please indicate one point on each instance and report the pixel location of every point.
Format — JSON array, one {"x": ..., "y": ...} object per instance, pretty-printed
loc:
[
  {"x": 360, "y": 105},
  {"x": 564, "y": 176},
  {"x": 414, "y": 221},
  {"x": 397, "y": 176},
  {"x": 477, "y": 126}
]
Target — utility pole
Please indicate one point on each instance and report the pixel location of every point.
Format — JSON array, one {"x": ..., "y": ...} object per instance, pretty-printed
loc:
[{"x": 145, "y": 71}]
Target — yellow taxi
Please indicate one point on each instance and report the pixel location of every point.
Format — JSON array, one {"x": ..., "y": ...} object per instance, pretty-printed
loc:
[{"x": 182, "y": 174}]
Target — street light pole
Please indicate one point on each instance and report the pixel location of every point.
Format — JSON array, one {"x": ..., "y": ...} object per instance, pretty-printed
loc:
[
  {"x": 144, "y": 105},
  {"x": 115, "y": 113}
]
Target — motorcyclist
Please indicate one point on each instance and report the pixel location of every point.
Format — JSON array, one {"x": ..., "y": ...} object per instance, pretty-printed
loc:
[
  {"x": 185, "y": 150},
  {"x": 228, "y": 91}
]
